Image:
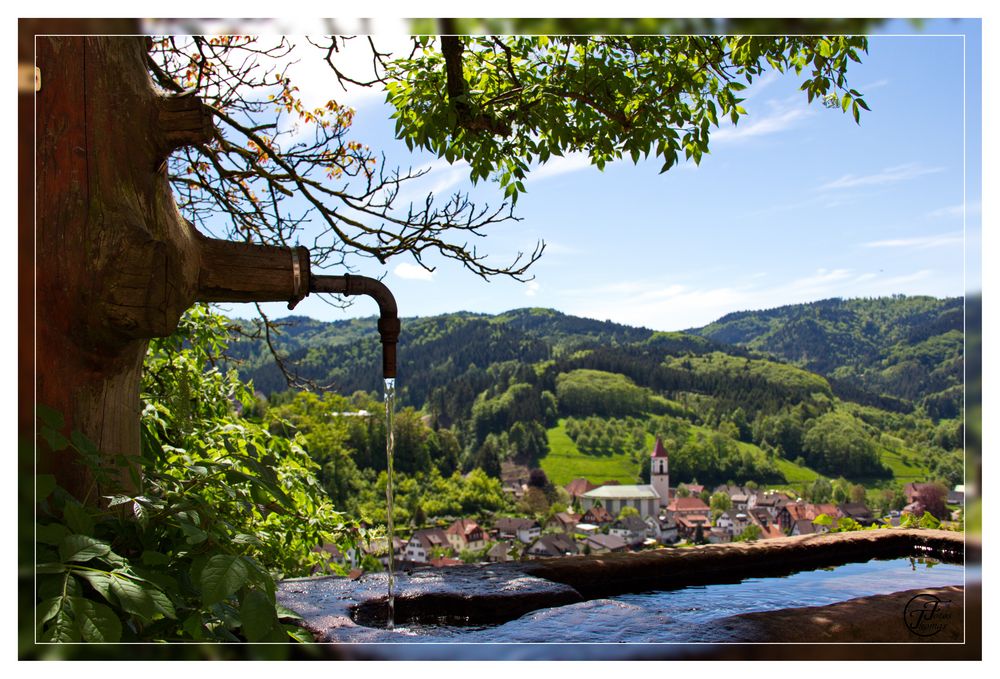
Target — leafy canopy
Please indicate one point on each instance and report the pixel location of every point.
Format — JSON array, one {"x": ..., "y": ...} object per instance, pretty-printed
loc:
[{"x": 501, "y": 103}]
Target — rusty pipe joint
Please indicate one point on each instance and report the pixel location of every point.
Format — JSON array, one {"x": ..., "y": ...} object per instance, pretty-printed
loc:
[{"x": 388, "y": 322}]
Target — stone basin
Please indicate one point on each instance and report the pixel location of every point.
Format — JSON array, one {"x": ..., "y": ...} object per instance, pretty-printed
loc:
[{"x": 337, "y": 609}]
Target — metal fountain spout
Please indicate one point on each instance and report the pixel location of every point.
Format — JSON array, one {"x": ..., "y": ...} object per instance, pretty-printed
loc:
[{"x": 388, "y": 321}]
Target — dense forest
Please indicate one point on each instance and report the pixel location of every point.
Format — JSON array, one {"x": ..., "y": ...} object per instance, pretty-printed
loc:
[{"x": 858, "y": 389}]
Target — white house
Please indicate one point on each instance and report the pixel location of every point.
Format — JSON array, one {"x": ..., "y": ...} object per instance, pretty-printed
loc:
[
  {"x": 424, "y": 542},
  {"x": 525, "y": 530}
]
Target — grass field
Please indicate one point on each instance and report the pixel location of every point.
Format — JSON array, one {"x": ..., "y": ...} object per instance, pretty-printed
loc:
[
  {"x": 565, "y": 462},
  {"x": 904, "y": 473}
]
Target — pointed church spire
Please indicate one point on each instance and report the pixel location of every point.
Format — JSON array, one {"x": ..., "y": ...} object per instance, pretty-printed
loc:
[{"x": 658, "y": 449}]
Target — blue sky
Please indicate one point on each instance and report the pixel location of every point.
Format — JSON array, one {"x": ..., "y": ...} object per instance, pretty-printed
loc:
[{"x": 795, "y": 204}]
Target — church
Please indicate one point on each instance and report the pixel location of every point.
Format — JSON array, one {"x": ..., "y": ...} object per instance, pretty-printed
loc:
[{"x": 646, "y": 499}]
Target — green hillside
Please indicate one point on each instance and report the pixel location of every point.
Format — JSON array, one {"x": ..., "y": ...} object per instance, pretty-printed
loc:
[{"x": 829, "y": 389}]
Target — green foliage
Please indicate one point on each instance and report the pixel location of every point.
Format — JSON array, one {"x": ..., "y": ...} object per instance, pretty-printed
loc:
[
  {"x": 892, "y": 352},
  {"x": 840, "y": 443},
  {"x": 223, "y": 508},
  {"x": 511, "y": 101},
  {"x": 750, "y": 534},
  {"x": 595, "y": 392}
]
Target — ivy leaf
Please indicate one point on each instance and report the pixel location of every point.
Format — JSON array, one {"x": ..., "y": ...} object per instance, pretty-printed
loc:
[
  {"x": 258, "y": 615},
  {"x": 81, "y": 548},
  {"x": 95, "y": 621},
  {"x": 221, "y": 577}
]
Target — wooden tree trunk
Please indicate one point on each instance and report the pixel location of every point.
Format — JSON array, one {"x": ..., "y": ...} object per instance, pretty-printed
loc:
[{"x": 115, "y": 262}]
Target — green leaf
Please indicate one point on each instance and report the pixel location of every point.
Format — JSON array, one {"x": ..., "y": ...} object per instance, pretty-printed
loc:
[
  {"x": 193, "y": 626},
  {"x": 153, "y": 558},
  {"x": 141, "y": 598},
  {"x": 47, "y": 610},
  {"x": 221, "y": 577},
  {"x": 299, "y": 634},
  {"x": 284, "y": 612},
  {"x": 63, "y": 629},
  {"x": 96, "y": 622},
  {"x": 99, "y": 580},
  {"x": 81, "y": 548},
  {"x": 193, "y": 533},
  {"x": 44, "y": 485},
  {"x": 78, "y": 518},
  {"x": 55, "y": 440},
  {"x": 258, "y": 615}
]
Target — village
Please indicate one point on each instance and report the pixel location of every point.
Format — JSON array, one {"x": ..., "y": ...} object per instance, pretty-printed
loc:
[{"x": 614, "y": 517}]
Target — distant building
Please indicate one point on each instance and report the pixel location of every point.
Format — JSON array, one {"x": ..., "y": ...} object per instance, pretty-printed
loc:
[
  {"x": 596, "y": 515},
  {"x": 659, "y": 472},
  {"x": 563, "y": 522},
  {"x": 631, "y": 529},
  {"x": 424, "y": 542},
  {"x": 578, "y": 487},
  {"x": 465, "y": 534},
  {"x": 525, "y": 530},
  {"x": 499, "y": 553},
  {"x": 600, "y": 544},
  {"x": 552, "y": 545},
  {"x": 645, "y": 499}
]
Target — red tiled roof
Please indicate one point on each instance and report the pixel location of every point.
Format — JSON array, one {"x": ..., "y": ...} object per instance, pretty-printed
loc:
[
  {"x": 658, "y": 449},
  {"x": 687, "y": 504},
  {"x": 579, "y": 487},
  {"x": 462, "y": 527}
]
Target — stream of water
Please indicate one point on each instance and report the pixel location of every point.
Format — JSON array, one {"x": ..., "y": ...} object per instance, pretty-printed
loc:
[{"x": 390, "y": 446}]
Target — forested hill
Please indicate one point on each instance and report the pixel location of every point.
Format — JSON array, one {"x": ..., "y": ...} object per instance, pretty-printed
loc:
[
  {"x": 895, "y": 352},
  {"x": 433, "y": 351},
  {"x": 905, "y": 348}
]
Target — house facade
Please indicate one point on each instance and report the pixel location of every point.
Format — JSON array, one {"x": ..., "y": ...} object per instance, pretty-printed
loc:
[{"x": 424, "y": 543}]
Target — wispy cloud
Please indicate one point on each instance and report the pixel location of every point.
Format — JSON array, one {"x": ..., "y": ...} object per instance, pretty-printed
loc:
[
  {"x": 557, "y": 165},
  {"x": 890, "y": 175},
  {"x": 868, "y": 87},
  {"x": 757, "y": 127},
  {"x": 531, "y": 288},
  {"x": 671, "y": 306},
  {"x": 412, "y": 272},
  {"x": 957, "y": 210},
  {"x": 918, "y": 242}
]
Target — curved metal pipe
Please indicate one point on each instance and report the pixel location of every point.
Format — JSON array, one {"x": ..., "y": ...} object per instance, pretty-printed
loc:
[{"x": 388, "y": 322}]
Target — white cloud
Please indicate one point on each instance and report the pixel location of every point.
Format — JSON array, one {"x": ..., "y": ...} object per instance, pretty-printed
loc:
[
  {"x": 412, "y": 272},
  {"x": 957, "y": 210},
  {"x": 918, "y": 242},
  {"x": 889, "y": 175},
  {"x": 671, "y": 306},
  {"x": 774, "y": 123},
  {"x": 557, "y": 165},
  {"x": 531, "y": 288}
]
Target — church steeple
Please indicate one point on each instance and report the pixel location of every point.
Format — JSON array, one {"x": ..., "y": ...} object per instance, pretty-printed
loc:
[{"x": 659, "y": 471}]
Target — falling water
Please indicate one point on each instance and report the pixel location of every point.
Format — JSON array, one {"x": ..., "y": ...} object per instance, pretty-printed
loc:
[{"x": 390, "y": 446}]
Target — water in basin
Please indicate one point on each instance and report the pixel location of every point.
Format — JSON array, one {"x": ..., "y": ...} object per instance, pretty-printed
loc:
[{"x": 674, "y": 616}]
